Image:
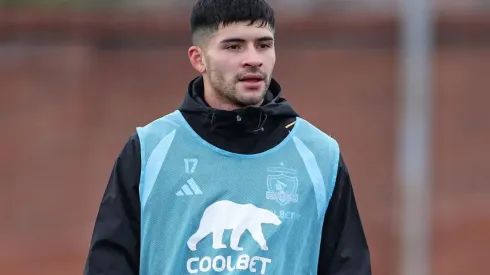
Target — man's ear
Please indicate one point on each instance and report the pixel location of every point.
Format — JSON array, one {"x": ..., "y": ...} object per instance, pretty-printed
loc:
[{"x": 196, "y": 57}]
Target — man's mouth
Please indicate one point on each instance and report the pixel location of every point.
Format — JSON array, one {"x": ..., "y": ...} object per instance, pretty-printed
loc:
[{"x": 252, "y": 78}]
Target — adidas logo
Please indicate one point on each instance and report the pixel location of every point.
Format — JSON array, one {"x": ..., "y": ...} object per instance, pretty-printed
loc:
[{"x": 189, "y": 189}]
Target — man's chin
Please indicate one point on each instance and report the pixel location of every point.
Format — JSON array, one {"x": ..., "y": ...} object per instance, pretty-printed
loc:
[{"x": 250, "y": 100}]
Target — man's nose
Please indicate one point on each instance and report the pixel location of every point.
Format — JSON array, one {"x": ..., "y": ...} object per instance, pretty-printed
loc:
[{"x": 252, "y": 59}]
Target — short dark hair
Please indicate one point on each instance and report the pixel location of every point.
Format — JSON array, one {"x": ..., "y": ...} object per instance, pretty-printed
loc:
[{"x": 208, "y": 15}]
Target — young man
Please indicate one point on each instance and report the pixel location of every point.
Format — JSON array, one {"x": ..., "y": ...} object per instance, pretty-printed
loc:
[{"x": 234, "y": 181}]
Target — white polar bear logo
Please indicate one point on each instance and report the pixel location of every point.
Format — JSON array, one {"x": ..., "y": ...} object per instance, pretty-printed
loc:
[{"x": 225, "y": 214}]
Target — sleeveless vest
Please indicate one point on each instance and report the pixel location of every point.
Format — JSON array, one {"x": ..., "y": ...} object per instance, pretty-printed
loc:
[{"x": 205, "y": 210}]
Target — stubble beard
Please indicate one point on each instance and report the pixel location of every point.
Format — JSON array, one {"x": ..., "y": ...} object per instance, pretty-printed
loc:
[{"x": 228, "y": 92}]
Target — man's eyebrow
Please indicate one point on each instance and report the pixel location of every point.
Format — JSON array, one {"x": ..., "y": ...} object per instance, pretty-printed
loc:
[
  {"x": 233, "y": 39},
  {"x": 265, "y": 39},
  {"x": 241, "y": 40}
]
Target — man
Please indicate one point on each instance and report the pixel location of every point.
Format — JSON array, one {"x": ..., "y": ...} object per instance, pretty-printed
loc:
[{"x": 234, "y": 181}]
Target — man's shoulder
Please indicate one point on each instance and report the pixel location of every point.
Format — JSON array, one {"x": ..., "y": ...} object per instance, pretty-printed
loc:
[
  {"x": 156, "y": 130},
  {"x": 169, "y": 118},
  {"x": 309, "y": 131},
  {"x": 316, "y": 146}
]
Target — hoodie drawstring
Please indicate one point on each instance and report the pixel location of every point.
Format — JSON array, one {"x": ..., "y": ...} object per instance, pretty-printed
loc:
[{"x": 260, "y": 125}]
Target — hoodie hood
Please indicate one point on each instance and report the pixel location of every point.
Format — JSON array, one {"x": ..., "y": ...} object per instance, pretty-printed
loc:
[
  {"x": 246, "y": 131},
  {"x": 252, "y": 118}
]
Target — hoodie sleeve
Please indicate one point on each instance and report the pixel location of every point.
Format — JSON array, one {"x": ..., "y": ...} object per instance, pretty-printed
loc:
[
  {"x": 343, "y": 249},
  {"x": 115, "y": 244}
]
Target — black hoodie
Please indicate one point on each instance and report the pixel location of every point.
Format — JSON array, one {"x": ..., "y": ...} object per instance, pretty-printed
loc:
[{"x": 115, "y": 244}]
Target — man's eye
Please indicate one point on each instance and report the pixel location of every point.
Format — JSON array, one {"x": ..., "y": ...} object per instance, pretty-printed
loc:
[
  {"x": 264, "y": 46},
  {"x": 233, "y": 47}
]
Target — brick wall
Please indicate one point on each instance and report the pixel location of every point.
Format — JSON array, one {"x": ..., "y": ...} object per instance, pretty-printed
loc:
[{"x": 67, "y": 109}]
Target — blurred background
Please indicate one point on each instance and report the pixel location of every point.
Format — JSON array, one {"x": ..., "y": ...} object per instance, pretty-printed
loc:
[{"x": 404, "y": 86}]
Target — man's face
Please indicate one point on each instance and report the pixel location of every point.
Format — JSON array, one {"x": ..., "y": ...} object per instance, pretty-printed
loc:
[{"x": 239, "y": 60}]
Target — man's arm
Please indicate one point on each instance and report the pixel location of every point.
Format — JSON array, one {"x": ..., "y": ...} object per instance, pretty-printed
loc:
[
  {"x": 115, "y": 244},
  {"x": 344, "y": 249}
]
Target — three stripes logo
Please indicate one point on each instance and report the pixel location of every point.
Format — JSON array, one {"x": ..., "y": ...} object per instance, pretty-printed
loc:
[{"x": 191, "y": 188}]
